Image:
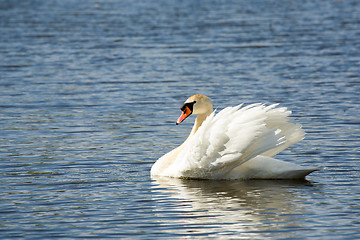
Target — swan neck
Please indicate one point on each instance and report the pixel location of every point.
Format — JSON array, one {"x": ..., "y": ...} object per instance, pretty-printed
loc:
[{"x": 199, "y": 120}]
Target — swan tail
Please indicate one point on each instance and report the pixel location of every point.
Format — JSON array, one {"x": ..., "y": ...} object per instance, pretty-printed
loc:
[{"x": 262, "y": 167}]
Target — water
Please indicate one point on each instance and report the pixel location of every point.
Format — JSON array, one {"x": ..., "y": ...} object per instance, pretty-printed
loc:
[{"x": 91, "y": 90}]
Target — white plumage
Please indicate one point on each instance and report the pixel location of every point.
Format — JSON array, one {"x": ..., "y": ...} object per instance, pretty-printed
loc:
[{"x": 237, "y": 143}]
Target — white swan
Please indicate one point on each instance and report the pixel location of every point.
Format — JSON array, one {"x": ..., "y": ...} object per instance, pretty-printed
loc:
[{"x": 237, "y": 143}]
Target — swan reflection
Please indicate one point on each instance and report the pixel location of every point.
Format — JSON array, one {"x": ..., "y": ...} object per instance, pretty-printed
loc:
[{"x": 228, "y": 206}]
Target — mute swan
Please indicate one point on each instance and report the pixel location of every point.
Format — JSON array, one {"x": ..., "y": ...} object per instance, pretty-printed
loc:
[{"x": 237, "y": 143}]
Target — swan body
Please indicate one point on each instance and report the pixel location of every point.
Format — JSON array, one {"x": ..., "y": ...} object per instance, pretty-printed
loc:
[{"x": 237, "y": 143}]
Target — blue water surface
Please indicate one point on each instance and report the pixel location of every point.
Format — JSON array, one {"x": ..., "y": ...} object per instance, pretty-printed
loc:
[{"x": 91, "y": 90}]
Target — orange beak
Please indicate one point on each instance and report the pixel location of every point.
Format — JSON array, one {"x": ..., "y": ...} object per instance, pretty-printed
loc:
[{"x": 187, "y": 112}]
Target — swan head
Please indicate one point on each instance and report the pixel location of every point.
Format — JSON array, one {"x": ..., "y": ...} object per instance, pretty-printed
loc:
[{"x": 196, "y": 104}]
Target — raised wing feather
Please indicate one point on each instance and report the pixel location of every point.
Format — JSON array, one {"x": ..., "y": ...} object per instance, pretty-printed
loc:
[{"x": 233, "y": 136}]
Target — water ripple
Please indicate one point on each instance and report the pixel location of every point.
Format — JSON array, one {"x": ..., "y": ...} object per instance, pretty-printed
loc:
[{"x": 90, "y": 91}]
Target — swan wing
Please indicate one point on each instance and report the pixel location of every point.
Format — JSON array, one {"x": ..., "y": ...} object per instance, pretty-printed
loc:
[{"x": 232, "y": 137}]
